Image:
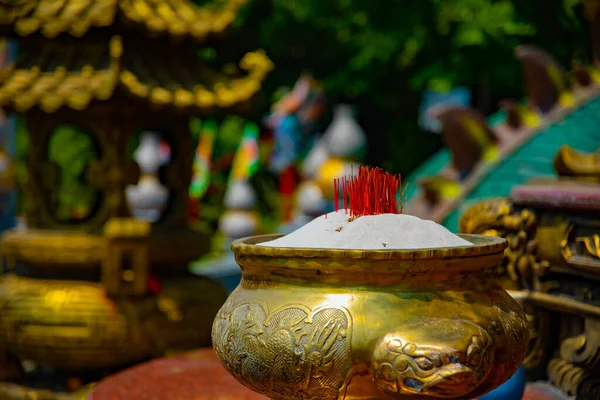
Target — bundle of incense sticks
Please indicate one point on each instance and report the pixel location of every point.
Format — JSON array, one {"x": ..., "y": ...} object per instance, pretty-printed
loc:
[{"x": 373, "y": 191}]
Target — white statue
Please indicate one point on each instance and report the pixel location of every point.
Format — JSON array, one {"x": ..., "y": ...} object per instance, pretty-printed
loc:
[
  {"x": 344, "y": 136},
  {"x": 148, "y": 199},
  {"x": 315, "y": 158},
  {"x": 239, "y": 220},
  {"x": 310, "y": 201},
  {"x": 240, "y": 195}
]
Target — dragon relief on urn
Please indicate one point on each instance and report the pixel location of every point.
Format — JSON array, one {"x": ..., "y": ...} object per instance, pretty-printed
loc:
[
  {"x": 456, "y": 361},
  {"x": 291, "y": 352}
]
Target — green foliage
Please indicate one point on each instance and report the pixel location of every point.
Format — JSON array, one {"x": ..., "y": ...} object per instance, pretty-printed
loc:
[
  {"x": 478, "y": 21},
  {"x": 73, "y": 193},
  {"x": 355, "y": 41},
  {"x": 71, "y": 149},
  {"x": 570, "y": 9},
  {"x": 228, "y": 138},
  {"x": 381, "y": 55}
]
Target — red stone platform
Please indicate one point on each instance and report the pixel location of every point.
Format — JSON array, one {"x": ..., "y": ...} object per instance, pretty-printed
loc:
[
  {"x": 538, "y": 392},
  {"x": 194, "y": 376},
  {"x": 199, "y": 375}
]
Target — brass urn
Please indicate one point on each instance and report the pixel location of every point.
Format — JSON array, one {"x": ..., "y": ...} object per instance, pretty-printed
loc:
[{"x": 370, "y": 324}]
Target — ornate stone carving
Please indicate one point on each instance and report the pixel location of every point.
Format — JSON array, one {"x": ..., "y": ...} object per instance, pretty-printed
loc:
[
  {"x": 572, "y": 163},
  {"x": 580, "y": 245},
  {"x": 572, "y": 380},
  {"x": 562, "y": 251},
  {"x": 592, "y": 245},
  {"x": 584, "y": 350},
  {"x": 498, "y": 217}
]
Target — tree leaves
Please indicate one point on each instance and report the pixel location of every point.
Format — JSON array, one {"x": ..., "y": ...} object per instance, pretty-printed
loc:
[
  {"x": 72, "y": 149},
  {"x": 478, "y": 21},
  {"x": 362, "y": 37},
  {"x": 380, "y": 55},
  {"x": 569, "y": 7}
]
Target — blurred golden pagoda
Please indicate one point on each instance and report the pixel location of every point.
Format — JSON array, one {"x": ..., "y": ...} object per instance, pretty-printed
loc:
[{"x": 107, "y": 290}]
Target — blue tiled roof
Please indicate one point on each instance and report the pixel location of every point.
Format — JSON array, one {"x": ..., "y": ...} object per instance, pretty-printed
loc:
[
  {"x": 580, "y": 130},
  {"x": 432, "y": 166},
  {"x": 437, "y": 162}
]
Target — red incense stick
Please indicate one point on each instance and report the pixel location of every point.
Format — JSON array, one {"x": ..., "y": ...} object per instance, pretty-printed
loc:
[{"x": 373, "y": 191}]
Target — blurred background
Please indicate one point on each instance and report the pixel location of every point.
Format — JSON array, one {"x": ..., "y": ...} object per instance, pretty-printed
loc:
[
  {"x": 384, "y": 58},
  {"x": 139, "y": 138}
]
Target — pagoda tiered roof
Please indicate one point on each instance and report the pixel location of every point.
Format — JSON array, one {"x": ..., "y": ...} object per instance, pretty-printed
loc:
[
  {"x": 177, "y": 18},
  {"x": 66, "y": 73}
]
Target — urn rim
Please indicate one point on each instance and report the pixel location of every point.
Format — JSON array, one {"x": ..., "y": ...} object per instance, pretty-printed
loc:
[{"x": 482, "y": 246}]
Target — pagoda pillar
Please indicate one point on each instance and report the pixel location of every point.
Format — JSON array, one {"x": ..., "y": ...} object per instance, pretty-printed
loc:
[
  {"x": 115, "y": 169},
  {"x": 178, "y": 174}
]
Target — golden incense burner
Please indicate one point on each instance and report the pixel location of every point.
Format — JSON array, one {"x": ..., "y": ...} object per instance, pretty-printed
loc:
[{"x": 370, "y": 324}]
